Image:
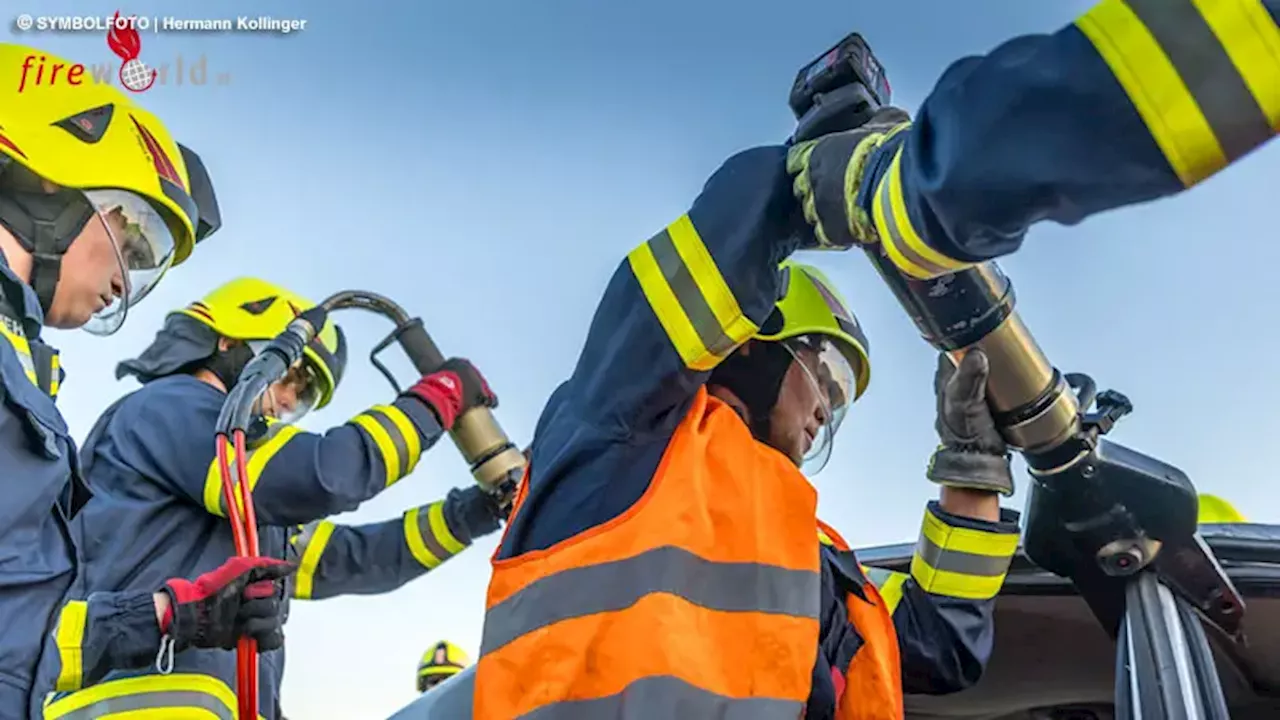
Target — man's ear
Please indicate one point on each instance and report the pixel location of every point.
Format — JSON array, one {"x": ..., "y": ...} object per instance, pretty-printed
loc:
[{"x": 225, "y": 344}]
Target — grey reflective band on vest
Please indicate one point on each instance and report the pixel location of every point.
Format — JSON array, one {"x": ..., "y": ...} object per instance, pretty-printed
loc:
[
  {"x": 686, "y": 290},
  {"x": 397, "y": 440},
  {"x": 158, "y": 700},
  {"x": 617, "y": 585},
  {"x": 1195, "y": 52},
  {"x": 668, "y": 697},
  {"x": 963, "y": 563},
  {"x": 429, "y": 538}
]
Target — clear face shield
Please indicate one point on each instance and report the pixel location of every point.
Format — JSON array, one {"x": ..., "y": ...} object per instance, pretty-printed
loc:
[
  {"x": 834, "y": 382},
  {"x": 144, "y": 248},
  {"x": 289, "y": 399}
]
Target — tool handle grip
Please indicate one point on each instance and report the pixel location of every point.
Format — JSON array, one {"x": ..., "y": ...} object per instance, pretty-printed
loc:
[{"x": 419, "y": 346}]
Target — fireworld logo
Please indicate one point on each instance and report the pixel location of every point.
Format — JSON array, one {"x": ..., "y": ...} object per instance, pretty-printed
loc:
[{"x": 124, "y": 41}]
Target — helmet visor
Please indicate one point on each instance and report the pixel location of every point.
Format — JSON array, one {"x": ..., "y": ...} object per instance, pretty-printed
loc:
[
  {"x": 834, "y": 381},
  {"x": 290, "y": 398},
  {"x": 144, "y": 248}
]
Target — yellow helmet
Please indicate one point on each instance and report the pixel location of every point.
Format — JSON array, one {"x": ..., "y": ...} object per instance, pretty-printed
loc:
[
  {"x": 439, "y": 663},
  {"x": 1214, "y": 509},
  {"x": 89, "y": 137},
  {"x": 251, "y": 310},
  {"x": 810, "y": 305}
]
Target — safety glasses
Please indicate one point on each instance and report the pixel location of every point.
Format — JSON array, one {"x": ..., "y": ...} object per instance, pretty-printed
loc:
[
  {"x": 833, "y": 379},
  {"x": 290, "y": 398},
  {"x": 143, "y": 246}
]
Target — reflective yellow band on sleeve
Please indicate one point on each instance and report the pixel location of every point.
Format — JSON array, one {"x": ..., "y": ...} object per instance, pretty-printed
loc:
[
  {"x": 1204, "y": 75},
  {"x": 391, "y": 444},
  {"x": 408, "y": 434},
  {"x": 180, "y": 695},
  {"x": 277, "y": 436},
  {"x": 961, "y": 562},
  {"x": 69, "y": 638},
  {"x": 428, "y": 536},
  {"x": 689, "y": 296},
  {"x": 899, "y": 238},
  {"x": 310, "y": 546},
  {"x": 888, "y": 583},
  {"x": 55, "y": 377}
]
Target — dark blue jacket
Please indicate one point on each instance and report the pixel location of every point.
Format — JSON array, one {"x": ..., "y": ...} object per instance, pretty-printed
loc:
[
  {"x": 158, "y": 513},
  {"x": 1136, "y": 100},
  {"x": 52, "y": 635}
]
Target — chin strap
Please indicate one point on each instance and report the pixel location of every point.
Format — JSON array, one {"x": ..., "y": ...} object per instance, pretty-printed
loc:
[{"x": 46, "y": 262}]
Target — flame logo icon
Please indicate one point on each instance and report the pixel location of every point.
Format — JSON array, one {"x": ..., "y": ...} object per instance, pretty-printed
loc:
[{"x": 123, "y": 40}]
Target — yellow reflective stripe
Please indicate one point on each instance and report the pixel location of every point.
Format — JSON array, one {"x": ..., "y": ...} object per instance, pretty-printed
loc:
[
  {"x": 149, "y": 696},
  {"x": 381, "y": 440},
  {"x": 408, "y": 432},
  {"x": 961, "y": 562},
  {"x": 312, "y": 549},
  {"x": 259, "y": 456},
  {"x": 55, "y": 380},
  {"x": 1252, "y": 40},
  {"x": 888, "y": 583},
  {"x": 417, "y": 541},
  {"x": 1225, "y": 49},
  {"x": 689, "y": 296},
  {"x": 440, "y": 529},
  {"x": 69, "y": 636},
  {"x": 21, "y": 348},
  {"x": 898, "y": 236}
]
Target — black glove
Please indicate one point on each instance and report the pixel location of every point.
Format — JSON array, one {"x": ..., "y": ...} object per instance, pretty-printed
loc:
[
  {"x": 972, "y": 455},
  {"x": 452, "y": 390},
  {"x": 828, "y": 175},
  {"x": 240, "y": 598}
]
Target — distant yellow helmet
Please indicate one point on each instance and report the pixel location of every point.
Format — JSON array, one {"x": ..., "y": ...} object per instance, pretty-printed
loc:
[
  {"x": 1214, "y": 509},
  {"x": 251, "y": 309},
  {"x": 440, "y": 662},
  {"x": 86, "y": 136}
]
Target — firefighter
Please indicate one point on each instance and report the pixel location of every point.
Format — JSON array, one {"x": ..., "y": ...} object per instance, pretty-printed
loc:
[
  {"x": 1134, "y": 101},
  {"x": 439, "y": 663},
  {"x": 151, "y": 460},
  {"x": 97, "y": 201},
  {"x": 664, "y": 556}
]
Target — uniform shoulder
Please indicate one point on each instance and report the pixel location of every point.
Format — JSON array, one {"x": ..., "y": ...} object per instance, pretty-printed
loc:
[{"x": 179, "y": 401}]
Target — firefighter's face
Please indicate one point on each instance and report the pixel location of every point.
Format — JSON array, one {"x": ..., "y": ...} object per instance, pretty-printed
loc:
[
  {"x": 91, "y": 275},
  {"x": 798, "y": 415}
]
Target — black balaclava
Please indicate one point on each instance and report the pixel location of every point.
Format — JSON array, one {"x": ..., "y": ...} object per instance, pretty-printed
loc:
[
  {"x": 756, "y": 378},
  {"x": 185, "y": 345},
  {"x": 44, "y": 224}
]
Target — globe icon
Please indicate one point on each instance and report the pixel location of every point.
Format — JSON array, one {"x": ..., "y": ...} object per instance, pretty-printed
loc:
[{"x": 136, "y": 76}]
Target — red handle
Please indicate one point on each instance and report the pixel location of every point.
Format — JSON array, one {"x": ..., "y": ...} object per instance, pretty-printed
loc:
[{"x": 244, "y": 527}]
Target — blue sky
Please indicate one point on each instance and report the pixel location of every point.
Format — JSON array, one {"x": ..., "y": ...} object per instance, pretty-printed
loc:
[{"x": 488, "y": 164}]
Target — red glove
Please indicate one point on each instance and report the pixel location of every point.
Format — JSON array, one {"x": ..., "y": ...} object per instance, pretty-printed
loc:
[
  {"x": 452, "y": 390},
  {"x": 240, "y": 598}
]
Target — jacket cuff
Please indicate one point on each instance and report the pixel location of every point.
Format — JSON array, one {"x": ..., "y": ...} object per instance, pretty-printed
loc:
[
  {"x": 108, "y": 631},
  {"x": 423, "y": 419},
  {"x": 962, "y": 557}
]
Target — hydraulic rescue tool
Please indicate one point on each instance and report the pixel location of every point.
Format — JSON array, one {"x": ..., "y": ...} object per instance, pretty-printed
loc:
[
  {"x": 1120, "y": 524},
  {"x": 495, "y": 462}
]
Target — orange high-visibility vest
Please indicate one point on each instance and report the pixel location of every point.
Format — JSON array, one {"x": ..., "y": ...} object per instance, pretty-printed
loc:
[
  {"x": 701, "y": 600},
  {"x": 872, "y": 684}
]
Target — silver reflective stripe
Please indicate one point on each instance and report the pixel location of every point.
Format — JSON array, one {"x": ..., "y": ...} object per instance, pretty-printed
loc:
[
  {"x": 685, "y": 288},
  {"x": 1196, "y": 52},
  {"x": 960, "y": 562},
  {"x": 304, "y": 538},
  {"x": 613, "y": 586},
  {"x": 429, "y": 538},
  {"x": 397, "y": 440},
  {"x": 668, "y": 697},
  {"x": 174, "y": 699}
]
